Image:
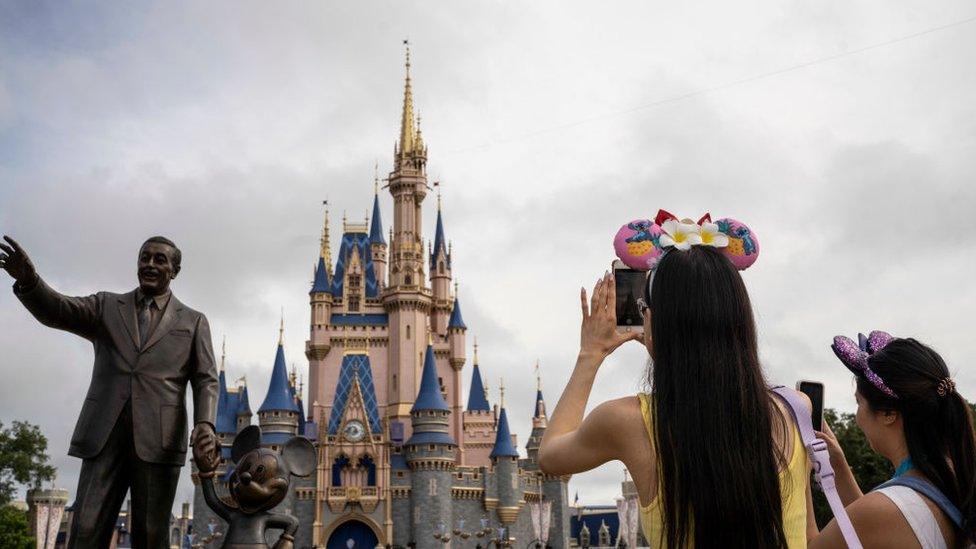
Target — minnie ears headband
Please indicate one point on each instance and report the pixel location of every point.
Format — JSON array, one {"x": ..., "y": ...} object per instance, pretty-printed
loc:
[
  {"x": 641, "y": 243},
  {"x": 855, "y": 356}
]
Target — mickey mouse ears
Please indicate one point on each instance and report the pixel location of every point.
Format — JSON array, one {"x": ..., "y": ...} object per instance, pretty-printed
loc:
[{"x": 641, "y": 243}]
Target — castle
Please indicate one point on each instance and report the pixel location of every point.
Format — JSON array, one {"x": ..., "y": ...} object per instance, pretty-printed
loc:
[{"x": 402, "y": 460}]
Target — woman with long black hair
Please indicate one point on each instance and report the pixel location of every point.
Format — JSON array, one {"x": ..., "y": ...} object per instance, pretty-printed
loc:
[
  {"x": 910, "y": 413},
  {"x": 716, "y": 459}
]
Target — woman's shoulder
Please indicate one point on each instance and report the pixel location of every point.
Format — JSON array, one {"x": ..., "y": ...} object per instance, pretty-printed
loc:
[{"x": 879, "y": 521}]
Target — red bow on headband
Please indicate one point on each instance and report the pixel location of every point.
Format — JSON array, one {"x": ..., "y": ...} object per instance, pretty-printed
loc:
[{"x": 664, "y": 215}]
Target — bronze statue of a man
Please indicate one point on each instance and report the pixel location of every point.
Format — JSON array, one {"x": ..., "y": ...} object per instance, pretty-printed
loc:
[{"x": 132, "y": 432}]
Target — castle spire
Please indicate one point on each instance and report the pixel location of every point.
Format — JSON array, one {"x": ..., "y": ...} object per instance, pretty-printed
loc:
[
  {"x": 223, "y": 353},
  {"x": 376, "y": 226},
  {"x": 539, "y": 416},
  {"x": 281, "y": 328},
  {"x": 325, "y": 249},
  {"x": 429, "y": 397},
  {"x": 407, "y": 130},
  {"x": 279, "y": 395},
  {"x": 478, "y": 396},
  {"x": 503, "y": 438}
]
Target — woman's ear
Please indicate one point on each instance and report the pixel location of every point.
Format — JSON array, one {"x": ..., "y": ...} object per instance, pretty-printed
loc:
[{"x": 890, "y": 417}]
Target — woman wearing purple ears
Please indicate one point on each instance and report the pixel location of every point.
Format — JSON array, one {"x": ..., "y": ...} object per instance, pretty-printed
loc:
[{"x": 910, "y": 412}]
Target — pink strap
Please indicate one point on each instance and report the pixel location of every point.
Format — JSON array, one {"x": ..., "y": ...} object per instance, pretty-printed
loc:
[{"x": 823, "y": 472}]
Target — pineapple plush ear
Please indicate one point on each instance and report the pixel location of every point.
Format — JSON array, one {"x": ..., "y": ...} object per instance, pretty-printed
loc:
[
  {"x": 743, "y": 248},
  {"x": 637, "y": 244}
]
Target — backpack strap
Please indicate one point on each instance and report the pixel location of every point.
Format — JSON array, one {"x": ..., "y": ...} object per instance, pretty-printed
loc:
[
  {"x": 928, "y": 490},
  {"x": 817, "y": 451}
]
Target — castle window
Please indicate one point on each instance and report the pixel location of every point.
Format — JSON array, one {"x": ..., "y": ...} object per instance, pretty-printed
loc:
[
  {"x": 440, "y": 267},
  {"x": 408, "y": 331},
  {"x": 367, "y": 462},
  {"x": 354, "y": 303},
  {"x": 409, "y": 280},
  {"x": 432, "y": 448},
  {"x": 399, "y": 474},
  {"x": 394, "y": 382},
  {"x": 432, "y": 487}
]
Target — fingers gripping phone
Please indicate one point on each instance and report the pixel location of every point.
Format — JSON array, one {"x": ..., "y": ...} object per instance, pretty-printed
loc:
[
  {"x": 814, "y": 390},
  {"x": 629, "y": 285}
]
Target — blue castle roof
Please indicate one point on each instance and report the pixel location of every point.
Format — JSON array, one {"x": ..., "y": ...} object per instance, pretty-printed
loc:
[
  {"x": 539, "y": 404},
  {"x": 429, "y": 397},
  {"x": 439, "y": 242},
  {"x": 476, "y": 398},
  {"x": 279, "y": 395},
  {"x": 376, "y": 224},
  {"x": 243, "y": 403},
  {"x": 359, "y": 241},
  {"x": 456, "y": 320},
  {"x": 503, "y": 439},
  {"x": 355, "y": 367},
  {"x": 321, "y": 282},
  {"x": 301, "y": 416},
  {"x": 227, "y": 405}
]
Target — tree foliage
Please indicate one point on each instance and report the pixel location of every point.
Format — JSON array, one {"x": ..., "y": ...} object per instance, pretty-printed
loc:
[
  {"x": 23, "y": 459},
  {"x": 14, "y": 529}
]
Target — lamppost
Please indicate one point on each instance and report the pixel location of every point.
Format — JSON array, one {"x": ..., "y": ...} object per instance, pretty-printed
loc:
[
  {"x": 441, "y": 534},
  {"x": 485, "y": 531}
]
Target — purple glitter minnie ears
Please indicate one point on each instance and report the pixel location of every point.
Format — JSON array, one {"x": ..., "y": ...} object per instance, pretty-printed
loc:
[{"x": 855, "y": 356}]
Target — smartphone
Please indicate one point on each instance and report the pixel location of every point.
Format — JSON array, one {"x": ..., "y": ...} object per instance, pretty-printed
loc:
[
  {"x": 630, "y": 286},
  {"x": 814, "y": 390}
]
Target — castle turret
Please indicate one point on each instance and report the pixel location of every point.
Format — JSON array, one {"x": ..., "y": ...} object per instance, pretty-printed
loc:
[
  {"x": 406, "y": 298},
  {"x": 455, "y": 333},
  {"x": 377, "y": 243},
  {"x": 321, "y": 303},
  {"x": 431, "y": 454},
  {"x": 278, "y": 414},
  {"x": 243, "y": 407},
  {"x": 478, "y": 421},
  {"x": 225, "y": 423},
  {"x": 539, "y": 422},
  {"x": 504, "y": 457},
  {"x": 440, "y": 276}
]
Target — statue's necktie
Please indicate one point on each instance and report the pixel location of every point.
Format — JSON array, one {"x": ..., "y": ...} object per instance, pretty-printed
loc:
[{"x": 144, "y": 321}]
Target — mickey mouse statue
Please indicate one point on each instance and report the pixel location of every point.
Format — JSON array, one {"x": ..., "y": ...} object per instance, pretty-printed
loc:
[{"x": 258, "y": 483}]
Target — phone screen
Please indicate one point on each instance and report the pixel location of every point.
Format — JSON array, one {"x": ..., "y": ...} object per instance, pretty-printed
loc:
[
  {"x": 815, "y": 391},
  {"x": 630, "y": 286}
]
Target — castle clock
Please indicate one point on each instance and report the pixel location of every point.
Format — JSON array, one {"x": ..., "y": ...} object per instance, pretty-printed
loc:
[{"x": 354, "y": 431}]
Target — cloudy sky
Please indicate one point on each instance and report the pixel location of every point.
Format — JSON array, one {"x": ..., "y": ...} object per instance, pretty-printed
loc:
[{"x": 843, "y": 133}]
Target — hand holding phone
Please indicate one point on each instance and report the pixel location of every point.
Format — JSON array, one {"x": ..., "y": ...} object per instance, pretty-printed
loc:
[
  {"x": 629, "y": 285},
  {"x": 814, "y": 390}
]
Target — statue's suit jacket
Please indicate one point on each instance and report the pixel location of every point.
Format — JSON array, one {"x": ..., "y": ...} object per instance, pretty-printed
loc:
[{"x": 154, "y": 378}]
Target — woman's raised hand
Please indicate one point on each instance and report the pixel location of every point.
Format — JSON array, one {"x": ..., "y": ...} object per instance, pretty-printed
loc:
[{"x": 598, "y": 334}]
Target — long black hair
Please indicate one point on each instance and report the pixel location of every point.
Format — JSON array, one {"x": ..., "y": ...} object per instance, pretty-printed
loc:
[
  {"x": 714, "y": 415},
  {"x": 938, "y": 428}
]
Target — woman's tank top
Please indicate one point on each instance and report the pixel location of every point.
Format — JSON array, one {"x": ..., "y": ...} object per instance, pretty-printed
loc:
[
  {"x": 918, "y": 515},
  {"x": 792, "y": 484}
]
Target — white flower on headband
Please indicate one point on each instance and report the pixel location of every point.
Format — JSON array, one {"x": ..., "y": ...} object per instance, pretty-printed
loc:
[
  {"x": 681, "y": 235},
  {"x": 711, "y": 236}
]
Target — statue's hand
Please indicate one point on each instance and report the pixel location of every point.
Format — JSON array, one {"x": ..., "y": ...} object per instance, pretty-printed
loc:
[
  {"x": 206, "y": 452},
  {"x": 14, "y": 260}
]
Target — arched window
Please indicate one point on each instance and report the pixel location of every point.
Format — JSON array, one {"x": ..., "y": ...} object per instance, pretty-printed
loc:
[
  {"x": 338, "y": 465},
  {"x": 408, "y": 331},
  {"x": 367, "y": 463}
]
